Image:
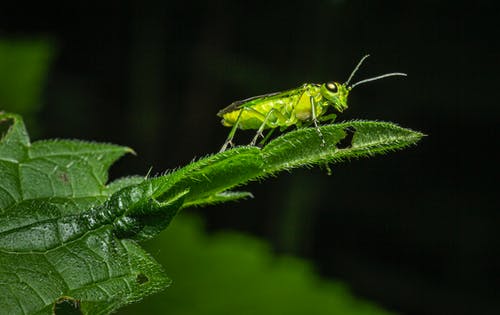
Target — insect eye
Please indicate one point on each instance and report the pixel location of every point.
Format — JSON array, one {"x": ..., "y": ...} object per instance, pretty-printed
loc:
[{"x": 332, "y": 87}]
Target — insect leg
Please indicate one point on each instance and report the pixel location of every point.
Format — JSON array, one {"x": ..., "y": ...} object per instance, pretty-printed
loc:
[
  {"x": 232, "y": 132},
  {"x": 273, "y": 125},
  {"x": 315, "y": 121},
  {"x": 262, "y": 126},
  {"x": 282, "y": 129},
  {"x": 267, "y": 136}
]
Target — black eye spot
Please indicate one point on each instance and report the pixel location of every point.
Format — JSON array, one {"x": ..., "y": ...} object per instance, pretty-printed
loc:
[{"x": 332, "y": 87}]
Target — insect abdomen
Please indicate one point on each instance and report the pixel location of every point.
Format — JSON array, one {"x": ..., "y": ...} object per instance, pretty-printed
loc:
[{"x": 253, "y": 115}]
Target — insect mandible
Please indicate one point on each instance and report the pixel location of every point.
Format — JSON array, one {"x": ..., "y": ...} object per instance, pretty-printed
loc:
[{"x": 302, "y": 106}]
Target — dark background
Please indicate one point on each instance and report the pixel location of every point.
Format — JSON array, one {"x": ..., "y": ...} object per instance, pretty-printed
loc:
[{"x": 417, "y": 231}]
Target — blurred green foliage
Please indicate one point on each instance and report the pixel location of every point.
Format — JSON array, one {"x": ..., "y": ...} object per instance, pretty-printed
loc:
[
  {"x": 24, "y": 65},
  {"x": 231, "y": 273}
]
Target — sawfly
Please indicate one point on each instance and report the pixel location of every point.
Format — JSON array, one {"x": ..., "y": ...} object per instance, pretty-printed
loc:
[{"x": 302, "y": 106}]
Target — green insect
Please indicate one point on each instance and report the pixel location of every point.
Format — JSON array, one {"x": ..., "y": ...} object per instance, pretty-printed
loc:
[{"x": 302, "y": 106}]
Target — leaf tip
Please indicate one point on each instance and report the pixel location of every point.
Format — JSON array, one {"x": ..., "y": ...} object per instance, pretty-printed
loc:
[{"x": 130, "y": 150}]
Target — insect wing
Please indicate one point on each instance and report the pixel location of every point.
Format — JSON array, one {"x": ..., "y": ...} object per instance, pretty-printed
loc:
[{"x": 248, "y": 102}]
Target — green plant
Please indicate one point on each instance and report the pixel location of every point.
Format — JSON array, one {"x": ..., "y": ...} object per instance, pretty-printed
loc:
[
  {"x": 232, "y": 273},
  {"x": 70, "y": 240}
]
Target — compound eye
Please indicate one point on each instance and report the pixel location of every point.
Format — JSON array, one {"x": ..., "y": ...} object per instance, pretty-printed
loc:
[{"x": 332, "y": 87}]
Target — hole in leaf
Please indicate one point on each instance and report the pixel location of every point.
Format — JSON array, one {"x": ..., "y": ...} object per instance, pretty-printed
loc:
[
  {"x": 5, "y": 125},
  {"x": 346, "y": 142},
  {"x": 141, "y": 278},
  {"x": 67, "y": 306}
]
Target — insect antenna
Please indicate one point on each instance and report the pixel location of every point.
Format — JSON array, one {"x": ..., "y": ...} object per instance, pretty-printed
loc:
[
  {"x": 377, "y": 78},
  {"x": 356, "y": 69}
]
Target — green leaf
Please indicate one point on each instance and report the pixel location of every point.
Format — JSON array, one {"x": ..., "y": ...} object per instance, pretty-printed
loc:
[
  {"x": 304, "y": 146},
  {"x": 212, "y": 175},
  {"x": 68, "y": 238},
  {"x": 57, "y": 236}
]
